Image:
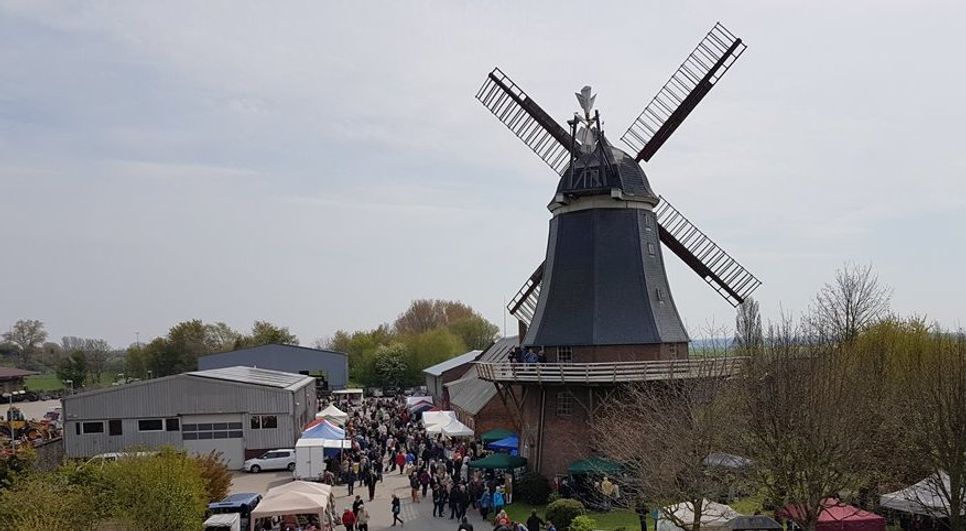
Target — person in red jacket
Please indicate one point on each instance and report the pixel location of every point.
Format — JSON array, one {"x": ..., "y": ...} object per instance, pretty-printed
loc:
[
  {"x": 401, "y": 461},
  {"x": 349, "y": 519}
]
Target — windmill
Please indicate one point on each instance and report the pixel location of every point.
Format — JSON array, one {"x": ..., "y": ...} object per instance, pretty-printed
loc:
[{"x": 603, "y": 280}]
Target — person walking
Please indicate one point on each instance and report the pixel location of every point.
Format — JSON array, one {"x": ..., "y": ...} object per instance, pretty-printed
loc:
[
  {"x": 362, "y": 519},
  {"x": 371, "y": 484},
  {"x": 349, "y": 519},
  {"x": 396, "y": 507},
  {"x": 439, "y": 500},
  {"x": 350, "y": 481},
  {"x": 484, "y": 503},
  {"x": 499, "y": 500},
  {"x": 464, "y": 525},
  {"x": 534, "y": 522},
  {"x": 414, "y": 486}
]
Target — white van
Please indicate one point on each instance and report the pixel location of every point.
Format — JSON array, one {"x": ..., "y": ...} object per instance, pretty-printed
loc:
[{"x": 223, "y": 522}]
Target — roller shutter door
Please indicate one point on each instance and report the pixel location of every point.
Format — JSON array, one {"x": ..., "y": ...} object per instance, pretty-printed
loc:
[{"x": 202, "y": 434}]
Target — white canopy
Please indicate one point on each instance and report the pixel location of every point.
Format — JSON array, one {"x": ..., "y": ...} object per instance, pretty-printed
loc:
[
  {"x": 452, "y": 428},
  {"x": 431, "y": 418},
  {"x": 333, "y": 414},
  {"x": 297, "y": 497},
  {"x": 925, "y": 497},
  {"x": 714, "y": 516}
]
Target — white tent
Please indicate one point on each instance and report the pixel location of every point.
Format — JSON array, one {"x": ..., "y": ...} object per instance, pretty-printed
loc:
[
  {"x": 333, "y": 415},
  {"x": 418, "y": 402},
  {"x": 925, "y": 497},
  {"x": 297, "y": 497},
  {"x": 431, "y": 418},
  {"x": 452, "y": 428},
  {"x": 714, "y": 516}
]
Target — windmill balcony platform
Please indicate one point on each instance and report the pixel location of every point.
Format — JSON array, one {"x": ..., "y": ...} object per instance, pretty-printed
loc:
[{"x": 608, "y": 373}]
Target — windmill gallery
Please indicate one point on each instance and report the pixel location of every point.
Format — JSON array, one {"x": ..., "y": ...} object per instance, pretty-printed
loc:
[{"x": 600, "y": 306}]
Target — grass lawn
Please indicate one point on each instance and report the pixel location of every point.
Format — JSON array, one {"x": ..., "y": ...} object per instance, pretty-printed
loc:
[
  {"x": 609, "y": 521},
  {"x": 50, "y": 382}
]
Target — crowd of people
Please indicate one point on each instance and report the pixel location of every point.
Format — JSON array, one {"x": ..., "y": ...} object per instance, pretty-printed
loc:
[
  {"x": 388, "y": 439},
  {"x": 525, "y": 355}
]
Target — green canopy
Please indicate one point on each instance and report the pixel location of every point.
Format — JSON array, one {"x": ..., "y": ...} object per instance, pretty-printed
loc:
[
  {"x": 594, "y": 465},
  {"x": 496, "y": 435},
  {"x": 499, "y": 462}
]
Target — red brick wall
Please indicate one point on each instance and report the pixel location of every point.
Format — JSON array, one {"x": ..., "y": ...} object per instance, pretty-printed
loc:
[{"x": 493, "y": 415}]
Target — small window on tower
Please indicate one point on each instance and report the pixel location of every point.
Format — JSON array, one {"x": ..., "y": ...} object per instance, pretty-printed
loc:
[
  {"x": 648, "y": 222},
  {"x": 660, "y": 294},
  {"x": 565, "y": 405},
  {"x": 650, "y": 249},
  {"x": 565, "y": 354}
]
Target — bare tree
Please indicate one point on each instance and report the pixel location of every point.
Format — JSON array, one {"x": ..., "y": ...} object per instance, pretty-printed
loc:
[
  {"x": 849, "y": 304},
  {"x": 806, "y": 422},
  {"x": 664, "y": 432},
  {"x": 748, "y": 332},
  {"x": 28, "y": 335}
]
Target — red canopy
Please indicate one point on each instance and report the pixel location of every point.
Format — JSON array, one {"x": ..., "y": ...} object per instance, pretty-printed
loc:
[{"x": 838, "y": 516}]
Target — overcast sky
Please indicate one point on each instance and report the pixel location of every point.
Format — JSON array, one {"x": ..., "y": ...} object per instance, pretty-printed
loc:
[{"x": 321, "y": 164}]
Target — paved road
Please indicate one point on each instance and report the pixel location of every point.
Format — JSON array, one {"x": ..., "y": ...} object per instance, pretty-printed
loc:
[{"x": 417, "y": 516}]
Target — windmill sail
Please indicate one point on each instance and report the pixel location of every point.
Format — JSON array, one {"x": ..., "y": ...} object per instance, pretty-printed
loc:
[
  {"x": 524, "y": 303},
  {"x": 713, "y": 56},
  {"x": 531, "y": 124},
  {"x": 722, "y": 272}
]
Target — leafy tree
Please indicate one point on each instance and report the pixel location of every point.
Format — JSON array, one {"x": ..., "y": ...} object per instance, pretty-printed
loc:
[
  {"x": 215, "y": 474},
  {"x": 74, "y": 368},
  {"x": 429, "y": 314},
  {"x": 429, "y": 348},
  {"x": 475, "y": 331},
  {"x": 390, "y": 365},
  {"x": 45, "y": 501},
  {"x": 136, "y": 362},
  {"x": 265, "y": 333},
  {"x": 165, "y": 492},
  {"x": 27, "y": 335},
  {"x": 221, "y": 337}
]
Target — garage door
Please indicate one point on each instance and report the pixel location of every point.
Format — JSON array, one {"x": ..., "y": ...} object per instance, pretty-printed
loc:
[{"x": 222, "y": 433}]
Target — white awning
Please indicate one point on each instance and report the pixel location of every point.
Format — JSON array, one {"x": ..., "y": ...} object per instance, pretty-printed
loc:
[
  {"x": 925, "y": 498},
  {"x": 297, "y": 497}
]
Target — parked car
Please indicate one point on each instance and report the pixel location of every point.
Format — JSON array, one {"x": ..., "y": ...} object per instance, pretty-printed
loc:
[{"x": 272, "y": 460}]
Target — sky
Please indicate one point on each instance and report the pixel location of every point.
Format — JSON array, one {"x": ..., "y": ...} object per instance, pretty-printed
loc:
[{"x": 322, "y": 164}]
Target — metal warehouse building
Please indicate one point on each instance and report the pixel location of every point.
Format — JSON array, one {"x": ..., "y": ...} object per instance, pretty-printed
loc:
[
  {"x": 330, "y": 367},
  {"x": 238, "y": 411}
]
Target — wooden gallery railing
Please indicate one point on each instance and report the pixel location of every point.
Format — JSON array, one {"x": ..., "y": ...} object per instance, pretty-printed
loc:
[{"x": 607, "y": 373}]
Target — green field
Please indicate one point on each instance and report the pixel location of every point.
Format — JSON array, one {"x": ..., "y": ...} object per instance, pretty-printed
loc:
[{"x": 50, "y": 382}]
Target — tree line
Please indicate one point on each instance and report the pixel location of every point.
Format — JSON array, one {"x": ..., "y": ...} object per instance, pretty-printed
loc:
[
  {"x": 85, "y": 360},
  {"x": 851, "y": 401},
  {"x": 428, "y": 332}
]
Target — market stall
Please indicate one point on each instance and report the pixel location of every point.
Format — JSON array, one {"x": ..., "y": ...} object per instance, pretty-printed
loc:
[
  {"x": 322, "y": 429},
  {"x": 924, "y": 498},
  {"x": 298, "y": 498},
  {"x": 714, "y": 516},
  {"x": 333, "y": 414},
  {"x": 837, "y": 516}
]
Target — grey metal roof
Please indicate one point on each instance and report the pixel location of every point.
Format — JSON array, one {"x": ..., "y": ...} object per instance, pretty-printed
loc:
[
  {"x": 256, "y": 376},
  {"x": 452, "y": 363},
  {"x": 604, "y": 282},
  {"x": 470, "y": 393}
]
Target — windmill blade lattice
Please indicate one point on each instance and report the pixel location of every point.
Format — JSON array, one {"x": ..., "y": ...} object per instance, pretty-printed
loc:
[
  {"x": 713, "y": 56},
  {"x": 524, "y": 303},
  {"x": 722, "y": 272},
  {"x": 512, "y": 106}
]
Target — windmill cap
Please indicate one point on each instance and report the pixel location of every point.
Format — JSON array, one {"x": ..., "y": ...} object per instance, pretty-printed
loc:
[{"x": 620, "y": 171}]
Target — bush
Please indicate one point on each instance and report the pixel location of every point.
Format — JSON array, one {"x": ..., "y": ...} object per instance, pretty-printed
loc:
[
  {"x": 158, "y": 493},
  {"x": 533, "y": 489},
  {"x": 216, "y": 475},
  {"x": 563, "y": 511},
  {"x": 583, "y": 523}
]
